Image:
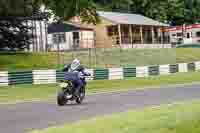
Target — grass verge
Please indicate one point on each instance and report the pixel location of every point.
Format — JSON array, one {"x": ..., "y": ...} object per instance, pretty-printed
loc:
[
  {"x": 13, "y": 94},
  {"x": 104, "y": 58},
  {"x": 177, "y": 118}
]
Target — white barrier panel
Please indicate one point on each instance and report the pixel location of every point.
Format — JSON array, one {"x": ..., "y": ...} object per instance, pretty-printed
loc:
[
  {"x": 164, "y": 70},
  {"x": 116, "y": 73},
  {"x": 3, "y": 78},
  {"x": 197, "y": 66},
  {"x": 142, "y": 71},
  {"x": 183, "y": 67},
  {"x": 91, "y": 71},
  {"x": 44, "y": 76}
]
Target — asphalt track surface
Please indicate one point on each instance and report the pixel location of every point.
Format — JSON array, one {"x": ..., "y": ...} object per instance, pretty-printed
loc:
[{"x": 26, "y": 117}]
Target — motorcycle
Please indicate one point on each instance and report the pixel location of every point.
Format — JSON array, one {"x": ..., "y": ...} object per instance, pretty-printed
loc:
[{"x": 68, "y": 86}]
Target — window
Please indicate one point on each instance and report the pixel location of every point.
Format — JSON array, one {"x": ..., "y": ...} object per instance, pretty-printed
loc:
[
  {"x": 110, "y": 31},
  {"x": 59, "y": 38},
  {"x": 173, "y": 34},
  {"x": 188, "y": 35},
  {"x": 76, "y": 39},
  {"x": 179, "y": 34},
  {"x": 198, "y": 34}
]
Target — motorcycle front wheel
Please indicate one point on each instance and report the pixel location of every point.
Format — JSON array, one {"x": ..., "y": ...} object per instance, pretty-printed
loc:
[{"x": 61, "y": 101}]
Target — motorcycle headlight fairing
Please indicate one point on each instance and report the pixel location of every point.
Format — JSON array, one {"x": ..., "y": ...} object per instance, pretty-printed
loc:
[{"x": 63, "y": 85}]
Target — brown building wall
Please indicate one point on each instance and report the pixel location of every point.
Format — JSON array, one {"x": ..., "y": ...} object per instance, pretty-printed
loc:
[{"x": 102, "y": 40}]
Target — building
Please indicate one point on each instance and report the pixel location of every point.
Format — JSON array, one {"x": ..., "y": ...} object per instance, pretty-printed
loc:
[
  {"x": 39, "y": 36},
  {"x": 66, "y": 36},
  {"x": 128, "y": 31},
  {"x": 39, "y": 24},
  {"x": 186, "y": 34}
]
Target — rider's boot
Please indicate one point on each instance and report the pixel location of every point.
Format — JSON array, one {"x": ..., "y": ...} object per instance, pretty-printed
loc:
[{"x": 77, "y": 92}]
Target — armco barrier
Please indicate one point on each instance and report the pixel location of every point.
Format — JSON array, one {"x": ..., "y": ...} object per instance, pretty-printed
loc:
[
  {"x": 191, "y": 67},
  {"x": 44, "y": 76},
  {"x": 101, "y": 74},
  {"x": 59, "y": 75},
  {"x": 154, "y": 70},
  {"x": 197, "y": 66},
  {"x": 129, "y": 72},
  {"x": 116, "y": 73},
  {"x": 20, "y": 78},
  {"x": 182, "y": 67},
  {"x": 164, "y": 69},
  {"x": 4, "y": 79},
  {"x": 91, "y": 77},
  {"x": 142, "y": 71},
  {"x": 53, "y": 76},
  {"x": 174, "y": 68}
]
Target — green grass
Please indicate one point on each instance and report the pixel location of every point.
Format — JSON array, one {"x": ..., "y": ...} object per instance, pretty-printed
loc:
[
  {"x": 104, "y": 58},
  {"x": 43, "y": 92},
  {"x": 177, "y": 118}
]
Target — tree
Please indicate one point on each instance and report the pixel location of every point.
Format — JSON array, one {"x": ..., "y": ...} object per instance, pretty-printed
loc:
[
  {"x": 192, "y": 9},
  {"x": 114, "y": 5},
  {"x": 14, "y": 33},
  {"x": 121, "y": 5},
  {"x": 175, "y": 12},
  {"x": 66, "y": 9}
]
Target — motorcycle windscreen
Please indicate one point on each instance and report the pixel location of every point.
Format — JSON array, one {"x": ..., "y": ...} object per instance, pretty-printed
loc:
[{"x": 71, "y": 76}]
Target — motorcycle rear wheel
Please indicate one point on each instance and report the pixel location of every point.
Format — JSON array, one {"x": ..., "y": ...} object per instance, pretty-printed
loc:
[{"x": 79, "y": 100}]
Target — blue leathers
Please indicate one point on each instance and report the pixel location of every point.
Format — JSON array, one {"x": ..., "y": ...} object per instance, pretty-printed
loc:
[{"x": 80, "y": 81}]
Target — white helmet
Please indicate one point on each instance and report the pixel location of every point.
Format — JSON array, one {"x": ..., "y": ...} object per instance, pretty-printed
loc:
[{"x": 75, "y": 64}]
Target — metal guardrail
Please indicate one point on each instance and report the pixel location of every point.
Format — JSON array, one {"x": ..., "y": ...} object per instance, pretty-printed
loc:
[{"x": 53, "y": 76}]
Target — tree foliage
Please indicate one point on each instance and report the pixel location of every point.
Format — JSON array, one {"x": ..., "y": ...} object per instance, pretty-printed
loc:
[
  {"x": 174, "y": 12},
  {"x": 14, "y": 31},
  {"x": 66, "y": 9}
]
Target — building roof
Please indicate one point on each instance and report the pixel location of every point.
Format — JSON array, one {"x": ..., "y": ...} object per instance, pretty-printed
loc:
[
  {"x": 64, "y": 27},
  {"x": 81, "y": 26},
  {"x": 61, "y": 27},
  {"x": 183, "y": 27},
  {"x": 126, "y": 18}
]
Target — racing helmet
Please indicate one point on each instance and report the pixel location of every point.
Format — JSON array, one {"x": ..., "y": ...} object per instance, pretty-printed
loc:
[{"x": 75, "y": 64}]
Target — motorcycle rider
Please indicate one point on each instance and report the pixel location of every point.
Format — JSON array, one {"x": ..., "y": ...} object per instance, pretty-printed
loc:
[{"x": 76, "y": 66}]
